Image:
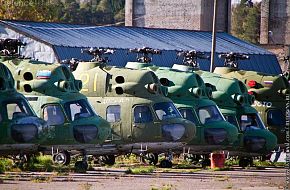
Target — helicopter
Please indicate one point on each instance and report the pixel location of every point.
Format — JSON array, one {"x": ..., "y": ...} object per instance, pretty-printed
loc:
[
  {"x": 190, "y": 95},
  {"x": 54, "y": 94},
  {"x": 269, "y": 91},
  {"x": 232, "y": 98},
  {"x": 21, "y": 130},
  {"x": 143, "y": 121}
]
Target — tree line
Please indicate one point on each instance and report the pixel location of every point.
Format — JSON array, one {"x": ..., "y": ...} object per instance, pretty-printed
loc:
[
  {"x": 246, "y": 21},
  {"x": 92, "y": 12}
]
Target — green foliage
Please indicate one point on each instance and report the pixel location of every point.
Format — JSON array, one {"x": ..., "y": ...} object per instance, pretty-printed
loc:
[
  {"x": 140, "y": 170},
  {"x": 231, "y": 162},
  {"x": 94, "y": 12},
  {"x": 246, "y": 21},
  {"x": 5, "y": 165},
  {"x": 164, "y": 187},
  {"x": 40, "y": 163}
]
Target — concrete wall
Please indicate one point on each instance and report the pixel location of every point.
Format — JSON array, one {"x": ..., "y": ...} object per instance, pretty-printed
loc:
[
  {"x": 181, "y": 14},
  {"x": 34, "y": 49},
  {"x": 275, "y": 22}
]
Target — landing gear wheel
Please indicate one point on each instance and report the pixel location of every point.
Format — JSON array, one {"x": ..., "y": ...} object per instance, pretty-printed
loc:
[
  {"x": 205, "y": 163},
  {"x": 244, "y": 162},
  {"x": 81, "y": 166},
  {"x": 62, "y": 158},
  {"x": 108, "y": 159},
  {"x": 152, "y": 158},
  {"x": 166, "y": 164}
]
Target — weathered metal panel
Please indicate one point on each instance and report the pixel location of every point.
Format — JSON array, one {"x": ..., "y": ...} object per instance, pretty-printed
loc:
[{"x": 68, "y": 39}]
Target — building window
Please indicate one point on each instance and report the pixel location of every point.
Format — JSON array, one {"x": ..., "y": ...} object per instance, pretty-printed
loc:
[
  {"x": 53, "y": 114},
  {"x": 142, "y": 114},
  {"x": 113, "y": 113}
]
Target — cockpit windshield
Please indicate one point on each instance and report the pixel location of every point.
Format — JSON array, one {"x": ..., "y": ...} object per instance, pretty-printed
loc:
[
  {"x": 78, "y": 109},
  {"x": 251, "y": 122},
  {"x": 208, "y": 114},
  {"x": 166, "y": 110},
  {"x": 188, "y": 113},
  {"x": 17, "y": 108}
]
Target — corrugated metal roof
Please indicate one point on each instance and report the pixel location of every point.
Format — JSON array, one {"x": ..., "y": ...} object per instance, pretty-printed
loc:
[{"x": 68, "y": 39}]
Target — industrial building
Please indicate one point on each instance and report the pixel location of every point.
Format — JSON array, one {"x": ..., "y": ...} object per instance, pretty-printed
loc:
[
  {"x": 182, "y": 14},
  {"x": 53, "y": 42}
]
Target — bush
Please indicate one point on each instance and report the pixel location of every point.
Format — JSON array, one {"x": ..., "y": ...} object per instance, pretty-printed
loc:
[{"x": 5, "y": 165}]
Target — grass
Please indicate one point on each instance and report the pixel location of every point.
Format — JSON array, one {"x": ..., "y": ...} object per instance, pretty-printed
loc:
[
  {"x": 86, "y": 186},
  {"x": 42, "y": 179},
  {"x": 231, "y": 162},
  {"x": 229, "y": 186},
  {"x": 126, "y": 160},
  {"x": 222, "y": 178},
  {"x": 262, "y": 164},
  {"x": 5, "y": 165},
  {"x": 164, "y": 187},
  {"x": 140, "y": 170},
  {"x": 222, "y": 169}
]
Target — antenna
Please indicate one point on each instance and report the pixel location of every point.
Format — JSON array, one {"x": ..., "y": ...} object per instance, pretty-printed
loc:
[
  {"x": 231, "y": 59},
  {"x": 143, "y": 54},
  {"x": 98, "y": 53},
  {"x": 190, "y": 57},
  {"x": 10, "y": 47},
  {"x": 71, "y": 63}
]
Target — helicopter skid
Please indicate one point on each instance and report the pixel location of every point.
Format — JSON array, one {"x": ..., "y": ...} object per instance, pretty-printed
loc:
[
  {"x": 7, "y": 149},
  {"x": 247, "y": 154},
  {"x": 201, "y": 149},
  {"x": 135, "y": 148}
]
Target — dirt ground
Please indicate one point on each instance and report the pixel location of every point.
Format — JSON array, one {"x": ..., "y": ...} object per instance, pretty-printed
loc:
[{"x": 116, "y": 178}]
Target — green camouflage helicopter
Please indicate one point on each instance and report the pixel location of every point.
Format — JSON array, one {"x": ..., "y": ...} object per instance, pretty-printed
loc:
[
  {"x": 235, "y": 103},
  {"x": 54, "y": 94},
  {"x": 143, "y": 120},
  {"x": 21, "y": 130},
  {"x": 269, "y": 91},
  {"x": 190, "y": 95}
]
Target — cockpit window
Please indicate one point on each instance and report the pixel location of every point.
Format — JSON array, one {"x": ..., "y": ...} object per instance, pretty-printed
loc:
[
  {"x": 113, "y": 113},
  {"x": 275, "y": 117},
  {"x": 78, "y": 109},
  {"x": 251, "y": 122},
  {"x": 17, "y": 108},
  {"x": 53, "y": 114},
  {"x": 187, "y": 113},
  {"x": 208, "y": 114},
  {"x": 232, "y": 119},
  {"x": 166, "y": 110},
  {"x": 142, "y": 114}
]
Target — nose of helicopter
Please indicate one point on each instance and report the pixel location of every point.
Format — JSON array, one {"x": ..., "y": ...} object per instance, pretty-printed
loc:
[
  {"x": 29, "y": 129},
  {"x": 91, "y": 130},
  {"x": 180, "y": 130},
  {"x": 220, "y": 132},
  {"x": 262, "y": 141}
]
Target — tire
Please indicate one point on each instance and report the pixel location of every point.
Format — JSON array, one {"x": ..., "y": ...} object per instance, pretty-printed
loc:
[
  {"x": 81, "y": 166},
  {"x": 165, "y": 164},
  {"x": 62, "y": 158}
]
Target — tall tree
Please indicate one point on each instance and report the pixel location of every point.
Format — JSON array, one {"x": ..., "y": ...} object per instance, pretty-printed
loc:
[{"x": 246, "y": 21}]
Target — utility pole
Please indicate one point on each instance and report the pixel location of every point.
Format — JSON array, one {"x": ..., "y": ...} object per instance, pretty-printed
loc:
[{"x": 213, "y": 43}]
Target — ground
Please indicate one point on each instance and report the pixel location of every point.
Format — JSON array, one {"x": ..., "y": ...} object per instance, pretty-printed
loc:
[{"x": 104, "y": 178}]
